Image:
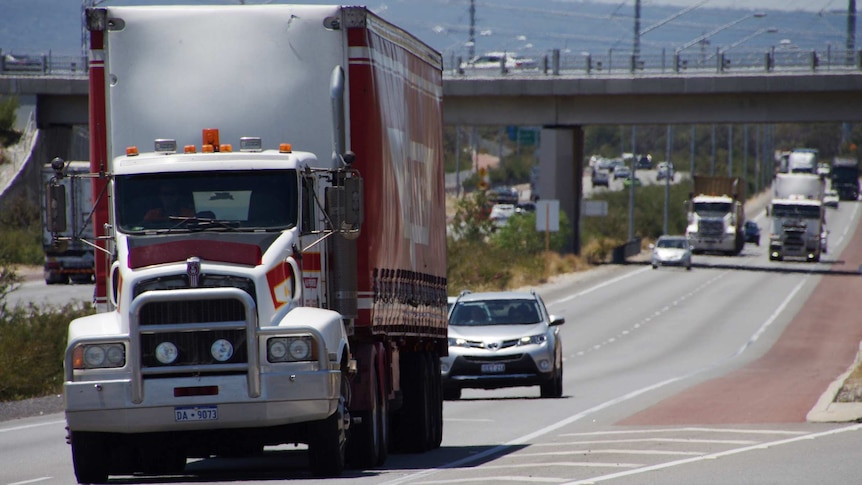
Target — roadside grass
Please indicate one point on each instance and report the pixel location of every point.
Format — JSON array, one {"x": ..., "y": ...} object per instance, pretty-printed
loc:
[{"x": 32, "y": 345}]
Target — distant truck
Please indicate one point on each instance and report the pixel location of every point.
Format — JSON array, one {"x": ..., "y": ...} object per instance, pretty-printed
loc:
[
  {"x": 272, "y": 262},
  {"x": 798, "y": 218},
  {"x": 68, "y": 258},
  {"x": 716, "y": 215},
  {"x": 802, "y": 160},
  {"x": 845, "y": 177}
]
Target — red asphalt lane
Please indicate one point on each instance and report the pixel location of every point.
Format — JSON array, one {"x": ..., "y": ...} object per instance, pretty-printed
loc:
[{"x": 782, "y": 386}]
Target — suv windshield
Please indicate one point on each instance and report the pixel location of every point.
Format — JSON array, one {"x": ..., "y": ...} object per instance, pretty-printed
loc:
[
  {"x": 495, "y": 312},
  {"x": 228, "y": 200}
]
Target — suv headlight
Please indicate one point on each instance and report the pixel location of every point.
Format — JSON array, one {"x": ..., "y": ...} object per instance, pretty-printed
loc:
[
  {"x": 457, "y": 342},
  {"x": 535, "y": 340}
]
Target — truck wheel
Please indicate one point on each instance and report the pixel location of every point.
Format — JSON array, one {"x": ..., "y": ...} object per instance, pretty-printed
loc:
[
  {"x": 436, "y": 404},
  {"x": 368, "y": 445},
  {"x": 89, "y": 457},
  {"x": 411, "y": 426},
  {"x": 327, "y": 439}
]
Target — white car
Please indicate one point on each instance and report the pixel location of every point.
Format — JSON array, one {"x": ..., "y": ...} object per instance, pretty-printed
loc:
[
  {"x": 830, "y": 198},
  {"x": 495, "y": 60},
  {"x": 500, "y": 213},
  {"x": 671, "y": 251}
]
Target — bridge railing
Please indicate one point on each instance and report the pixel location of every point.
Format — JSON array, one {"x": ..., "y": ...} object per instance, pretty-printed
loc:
[
  {"x": 44, "y": 64},
  {"x": 670, "y": 62}
]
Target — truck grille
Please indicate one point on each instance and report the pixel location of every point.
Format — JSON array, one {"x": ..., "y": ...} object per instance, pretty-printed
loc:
[
  {"x": 201, "y": 311},
  {"x": 711, "y": 227},
  {"x": 194, "y": 332}
]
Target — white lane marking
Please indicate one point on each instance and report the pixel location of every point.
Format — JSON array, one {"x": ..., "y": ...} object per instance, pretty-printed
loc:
[
  {"x": 650, "y": 318},
  {"x": 659, "y": 440},
  {"x": 40, "y": 479},
  {"x": 29, "y": 426},
  {"x": 714, "y": 456},
  {"x": 464, "y": 420},
  {"x": 598, "y": 286},
  {"x": 498, "y": 479},
  {"x": 608, "y": 451},
  {"x": 584, "y": 464},
  {"x": 577, "y": 417},
  {"x": 760, "y": 331},
  {"x": 688, "y": 429}
]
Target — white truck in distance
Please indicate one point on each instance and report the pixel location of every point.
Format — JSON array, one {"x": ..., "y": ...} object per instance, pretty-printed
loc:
[
  {"x": 798, "y": 217},
  {"x": 716, "y": 215},
  {"x": 69, "y": 256},
  {"x": 273, "y": 270}
]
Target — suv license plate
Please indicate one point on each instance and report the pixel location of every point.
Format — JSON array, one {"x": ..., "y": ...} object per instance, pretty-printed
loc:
[
  {"x": 198, "y": 413},
  {"x": 492, "y": 368}
]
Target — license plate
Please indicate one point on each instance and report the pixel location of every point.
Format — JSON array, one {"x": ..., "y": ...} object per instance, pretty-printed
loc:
[
  {"x": 491, "y": 368},
  {"x": 200, "y": 413}
]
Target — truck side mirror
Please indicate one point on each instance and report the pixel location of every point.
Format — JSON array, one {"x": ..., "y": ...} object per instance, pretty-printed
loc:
[
  {"x": 354, "y": 211},
  {"x": 55, "y": 207}
]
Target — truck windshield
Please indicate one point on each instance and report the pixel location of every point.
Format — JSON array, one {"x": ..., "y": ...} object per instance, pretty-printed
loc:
[
  {"x": 228, "y": 200},
  {"x": 711, "y": 208},
  {"x": 796, "y": 211},
  {"x": 845, "y": 173}
]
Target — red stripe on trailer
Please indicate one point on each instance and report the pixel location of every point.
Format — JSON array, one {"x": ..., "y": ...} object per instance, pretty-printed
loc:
[{"x": 99, "y": 161}]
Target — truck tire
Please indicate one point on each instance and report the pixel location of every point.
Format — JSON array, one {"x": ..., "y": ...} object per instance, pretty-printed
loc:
[
  {"x": 412, "y": 425},
  {"x": 436, "y": 381},
  {"x": 89, "y": 452},
  {"x": 368, "y": 445},
  {"x": 327, "y": 439}
]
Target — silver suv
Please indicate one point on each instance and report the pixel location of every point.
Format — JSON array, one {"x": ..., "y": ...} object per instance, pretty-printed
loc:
[{"x": 502, "y": 339}]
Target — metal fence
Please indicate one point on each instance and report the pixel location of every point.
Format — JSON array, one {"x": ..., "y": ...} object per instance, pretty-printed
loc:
[
  {"x": 44, "y": 64},
  {"x": 686, "y": 62}
]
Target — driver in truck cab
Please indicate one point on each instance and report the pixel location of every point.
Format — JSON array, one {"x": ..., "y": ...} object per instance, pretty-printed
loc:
[{"x": 171, "y": 203}]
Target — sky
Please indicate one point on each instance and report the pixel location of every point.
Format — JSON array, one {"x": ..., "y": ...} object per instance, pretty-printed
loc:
[
  {"x": 787, "y": 5},
  {"x": 523, "y": 27}
]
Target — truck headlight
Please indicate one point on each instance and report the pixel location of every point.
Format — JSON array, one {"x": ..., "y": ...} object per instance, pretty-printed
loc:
[
  {"x": 167, "y": 353},
  {"x": 99, "y": 356},
  {"x": 221, "y": 350},
  {"x": 290, "y": 349}
]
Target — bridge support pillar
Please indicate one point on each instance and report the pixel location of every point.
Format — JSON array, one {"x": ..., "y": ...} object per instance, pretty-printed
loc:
[{"x": 561, "y": 160}]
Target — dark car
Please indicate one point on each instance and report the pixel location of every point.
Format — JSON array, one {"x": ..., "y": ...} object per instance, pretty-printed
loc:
[
  {"x": 600, "y": 177},
  {"x": 752, "y": 232},
  {"x": 504, "y": 195},
  {"x": 644, "y": 163}
]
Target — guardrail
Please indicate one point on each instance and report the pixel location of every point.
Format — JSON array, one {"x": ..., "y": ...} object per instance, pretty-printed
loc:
[
  {"x": 683, "y": 63},
  {"x": 555, "y": 62},
  {"x": 44, "y": 64}
]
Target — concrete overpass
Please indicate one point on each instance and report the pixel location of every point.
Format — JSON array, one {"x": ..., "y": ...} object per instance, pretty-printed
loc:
[{"x": 563, "y": 104}]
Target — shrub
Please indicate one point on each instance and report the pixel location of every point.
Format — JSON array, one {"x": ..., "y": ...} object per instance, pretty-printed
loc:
[{"x": 34, "y": 338}]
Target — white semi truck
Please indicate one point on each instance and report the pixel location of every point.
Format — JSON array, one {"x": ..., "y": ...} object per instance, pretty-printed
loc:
[
  {"x": 716, "y": 214},
  {"x": 69, "y": 257},
  {"x": 272, "y": 263},
  {"x": 798, "y": 217}
]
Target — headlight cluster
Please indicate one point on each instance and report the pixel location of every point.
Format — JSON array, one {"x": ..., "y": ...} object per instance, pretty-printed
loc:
[
  {"x": 457, "y": 342},
  {"x": 290, "y": 349},
  {"x": 535, "y": 339},
  {"x": 99, "y": 356}
]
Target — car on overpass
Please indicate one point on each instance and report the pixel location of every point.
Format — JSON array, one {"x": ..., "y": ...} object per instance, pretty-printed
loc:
[{"x": 496, "y": 61}]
